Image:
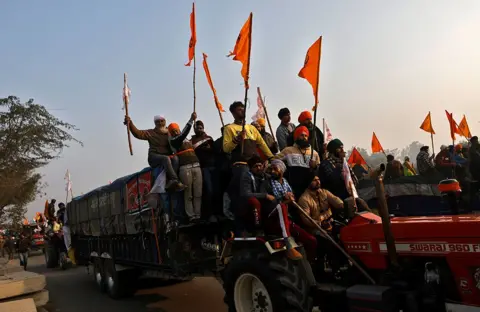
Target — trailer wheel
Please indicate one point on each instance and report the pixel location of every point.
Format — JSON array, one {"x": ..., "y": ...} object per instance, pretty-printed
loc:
[
  {"x": 99, "y": 274},
  {"x": 51, "y": 255},
  {"x": 257, "y": 281},
  {"x": 119, "y": 284}
]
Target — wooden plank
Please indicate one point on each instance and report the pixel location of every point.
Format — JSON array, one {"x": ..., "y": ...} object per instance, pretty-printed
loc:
[
  {"x": 21, "y": 283},
  {"x": 24, "y": 305},
  {"x": 40, "y": 298}
]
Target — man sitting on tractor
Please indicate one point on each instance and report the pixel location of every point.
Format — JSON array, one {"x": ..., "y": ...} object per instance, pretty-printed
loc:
[{"x": 317, "y": 203}]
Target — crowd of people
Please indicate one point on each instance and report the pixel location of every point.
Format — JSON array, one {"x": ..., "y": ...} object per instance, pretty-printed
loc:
[{"x": 251, "y": 177}]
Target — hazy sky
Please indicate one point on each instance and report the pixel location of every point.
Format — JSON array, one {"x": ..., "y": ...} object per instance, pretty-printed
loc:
[{"x": 385, "y": 64}]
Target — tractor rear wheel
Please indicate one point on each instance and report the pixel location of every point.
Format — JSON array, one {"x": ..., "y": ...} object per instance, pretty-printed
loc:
[{"x": 256, "y": 281}]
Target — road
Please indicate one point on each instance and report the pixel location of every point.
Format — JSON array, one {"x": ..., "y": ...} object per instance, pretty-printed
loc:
[{"x": 73, "y": 290}]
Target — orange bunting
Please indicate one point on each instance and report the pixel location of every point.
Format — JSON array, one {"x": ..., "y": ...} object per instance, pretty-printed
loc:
[
  {"x": 193, "y": 38},
  {"x": 427, "y": 124},
  {"x": 241, "y": 51},
  {"x": 376, "y": 146},
  {"x": 356, "y": 158},
  {"x": 464, "y": 128},
  {"x": 311, "y": 68},
  {"x": 210, "y": 82},
  {"x": 453, "y": 125}
]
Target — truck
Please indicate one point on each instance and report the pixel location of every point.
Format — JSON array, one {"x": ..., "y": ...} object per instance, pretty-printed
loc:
[{"x": 374, "y": 263}]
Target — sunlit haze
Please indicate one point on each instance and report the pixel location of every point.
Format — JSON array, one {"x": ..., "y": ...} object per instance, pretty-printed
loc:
[{"x": 385, "y": 64}]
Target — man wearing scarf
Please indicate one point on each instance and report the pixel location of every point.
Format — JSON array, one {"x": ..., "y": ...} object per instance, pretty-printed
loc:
[
  {"x": 285, "y": 129},
  {"x": 190, "y": 172},
  {"x": 203, "y": 146},
  {"x": 305, "y": 119},
  {"x": 331, "y": 171},
  {"x": 301, "y": 166},
  {"x": 159, "y": 147}
]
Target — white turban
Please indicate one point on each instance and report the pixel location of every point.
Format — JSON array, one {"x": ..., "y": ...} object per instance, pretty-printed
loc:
[
  {"x": 280, "y": 164},
  {"x": 158, "y": 117}
]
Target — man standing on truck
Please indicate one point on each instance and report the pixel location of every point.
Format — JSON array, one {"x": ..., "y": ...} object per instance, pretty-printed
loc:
[
  {"x": 242, "y": 145},
  {"x": 203, "y": 147},
  {"x": 159, "y": 148}
]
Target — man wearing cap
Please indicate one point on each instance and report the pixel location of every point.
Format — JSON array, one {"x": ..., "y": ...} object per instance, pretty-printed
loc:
[
  {"x": 159, "y": 146},
  {"x": 301, "y": 165},
  {"x": 285, "y": 128},
  {"x": 331, "y": 170},
  {"x": 305, "y": 119}
]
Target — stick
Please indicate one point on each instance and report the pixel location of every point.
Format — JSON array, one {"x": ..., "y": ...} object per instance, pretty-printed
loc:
[
  {"x": 246, "y": 80},
  {"x": 220, "y": 114},
  {"x": 266, "y": 113},
  {"x": 194, "y": 89},
  {"x": 328, "y": 237},
  {"x": 433, "y": 147},
  {"x": 125, "y": 100},
  {"x": 316, "y": 103}
]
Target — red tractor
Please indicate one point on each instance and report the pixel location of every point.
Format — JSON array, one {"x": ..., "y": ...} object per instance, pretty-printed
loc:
[{"x": 400, "y": 264}]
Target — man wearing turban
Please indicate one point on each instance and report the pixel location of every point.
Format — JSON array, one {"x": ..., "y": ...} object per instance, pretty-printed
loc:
[
  {"x": 305, "y": 119},
  {"x": 159, "y": 146},
  {"x": 301, "y": 165},
  {"x": 331, "y": 170},
  {"x": 267, "y": 137},
  {"x": 285, "y": 128}
]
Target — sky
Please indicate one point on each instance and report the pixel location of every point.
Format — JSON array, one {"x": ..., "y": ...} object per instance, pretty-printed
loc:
[{"x": 385, "y": 65}]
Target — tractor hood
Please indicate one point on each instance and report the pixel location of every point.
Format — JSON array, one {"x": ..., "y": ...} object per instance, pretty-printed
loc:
[{"x": 368, "y": 226}]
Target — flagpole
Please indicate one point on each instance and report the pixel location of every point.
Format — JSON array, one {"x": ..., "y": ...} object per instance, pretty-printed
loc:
[
  {"x": 246, "y": 80},
  {"x": 316, "y": 103},
  {"x": 125, "y": 101},
  {"x": 219, "y": 114},
  {"x": 194, "y": 89},
  {"x": 266, "y": 113}
]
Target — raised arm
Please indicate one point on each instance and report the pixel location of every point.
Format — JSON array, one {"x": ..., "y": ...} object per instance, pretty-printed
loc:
[{"x": 139, "y": 134}]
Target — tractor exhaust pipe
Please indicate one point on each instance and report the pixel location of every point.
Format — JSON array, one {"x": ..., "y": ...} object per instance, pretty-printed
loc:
[{"x": 386, "y": 224}]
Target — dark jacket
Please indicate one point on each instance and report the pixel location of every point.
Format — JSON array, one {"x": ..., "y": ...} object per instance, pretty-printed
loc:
[
  {"x": 203, "y": 147},
  {"x": 24, "y": 244},
  {"x": 331, "y": 177},
  {"x": 176, "y": 142},
  {"x": 252, "y": 186}
]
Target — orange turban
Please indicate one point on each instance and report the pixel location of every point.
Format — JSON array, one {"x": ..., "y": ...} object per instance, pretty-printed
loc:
[
  {"x": 304, "y": 116},
  {"x": 300, "y": 130},
  {"x": 173, "y": 126},
  {"x": 261, "y": 122}
]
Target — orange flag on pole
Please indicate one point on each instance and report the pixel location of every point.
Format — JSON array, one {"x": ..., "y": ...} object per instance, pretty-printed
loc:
[
  {"x": 427, "y": 124},
  {"x": 311, "y": 68},
  {"x": 376, "y": 146},
  {"x": 241, "y": 51},
  {"x": 464, "y": 128},
  {"x": 210, "y": 82},
  {"x": 453, "y": 125},
  {"x": 193, "y": 38},
  {"x": 355, "y": 157}
]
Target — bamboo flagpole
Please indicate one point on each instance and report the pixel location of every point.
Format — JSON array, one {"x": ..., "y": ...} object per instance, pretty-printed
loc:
[
  {"x": 68, "y": 186},
  {"x": 266, "y": 113},
  {"x": 191, "y": 53},
  {"x": 126, "y": 101},
  {"x": 311, "y": 72},
  {"x": 243, "y": 55}
]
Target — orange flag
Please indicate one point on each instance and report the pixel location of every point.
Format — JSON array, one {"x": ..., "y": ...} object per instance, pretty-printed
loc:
[
  {"x": 427, "y": 124},
  {"x": 355, "y": 156},
  {"x": 311, "y": 67},
  {"x": 376, "y": 146},
  {"x": 241, "y": 51},
  {"x": 464, "y": 128},
  {"x": 193, "y": 38},
  {"x": 210, "y": 82},
  {"x": 453, "y": 125}
]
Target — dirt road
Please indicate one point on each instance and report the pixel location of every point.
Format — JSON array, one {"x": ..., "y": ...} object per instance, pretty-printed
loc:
[{"x": 73, "y": 290}]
